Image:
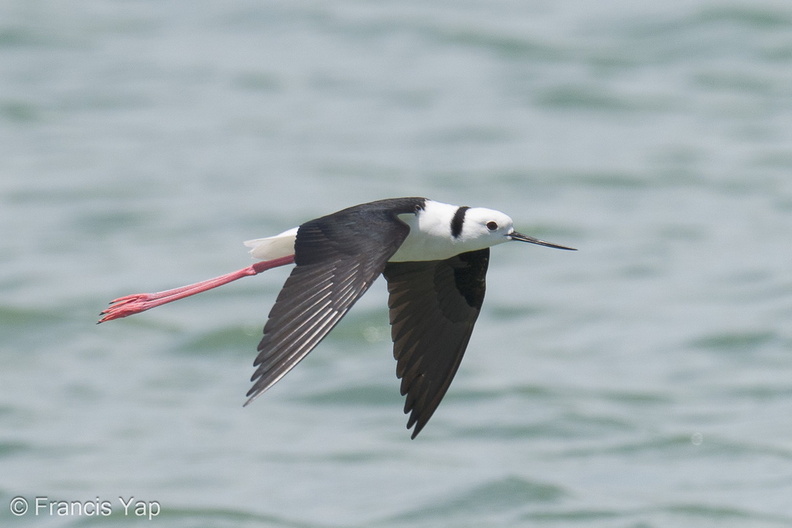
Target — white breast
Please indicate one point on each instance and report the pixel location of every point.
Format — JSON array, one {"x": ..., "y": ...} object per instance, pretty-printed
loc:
[{"x": 430, "y": 234}]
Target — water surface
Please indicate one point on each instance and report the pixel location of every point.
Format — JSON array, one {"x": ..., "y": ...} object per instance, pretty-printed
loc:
[{"x": 642, "y": 381}]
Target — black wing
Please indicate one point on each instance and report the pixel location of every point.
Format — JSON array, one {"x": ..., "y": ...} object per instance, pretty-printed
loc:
[
  {"x": 337, "y": 258},
  {"x": 433, "y": 307}
]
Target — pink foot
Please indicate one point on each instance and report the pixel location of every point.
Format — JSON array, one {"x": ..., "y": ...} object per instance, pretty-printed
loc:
[{"x": 140, "y": 302}]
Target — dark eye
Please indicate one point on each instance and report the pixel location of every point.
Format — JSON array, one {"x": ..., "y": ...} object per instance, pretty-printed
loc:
[{"x": 492, "y": 226}]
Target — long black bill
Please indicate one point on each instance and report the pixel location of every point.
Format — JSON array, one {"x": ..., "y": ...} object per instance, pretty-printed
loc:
[{"x": 514, "y": 235}]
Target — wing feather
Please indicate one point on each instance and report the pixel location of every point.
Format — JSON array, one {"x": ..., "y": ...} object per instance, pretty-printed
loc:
[
  {"x": 433, "y": 307},
  {"x": 337, "y": 258}
]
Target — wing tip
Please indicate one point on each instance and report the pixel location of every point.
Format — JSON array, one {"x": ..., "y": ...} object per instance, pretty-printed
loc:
[
  {"x": 256, "y": 390},
  {"x": 416, "y": 430}
]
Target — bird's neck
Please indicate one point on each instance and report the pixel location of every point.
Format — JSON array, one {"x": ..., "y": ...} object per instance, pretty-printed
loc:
[{"x": 431, "y": 235}]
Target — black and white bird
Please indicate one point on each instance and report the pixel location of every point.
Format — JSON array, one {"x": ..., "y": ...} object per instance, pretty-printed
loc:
[{"x": 434, "y": 257}]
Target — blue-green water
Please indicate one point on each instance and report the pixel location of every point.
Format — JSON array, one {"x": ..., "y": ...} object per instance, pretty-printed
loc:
[{"x": 644, "y": 381}]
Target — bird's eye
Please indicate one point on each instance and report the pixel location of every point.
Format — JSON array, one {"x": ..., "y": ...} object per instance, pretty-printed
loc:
[{"x": 492, "y": 226}]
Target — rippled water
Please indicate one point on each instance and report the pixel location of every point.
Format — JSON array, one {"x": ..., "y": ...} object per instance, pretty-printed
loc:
[{"x": 642, "y": 381}]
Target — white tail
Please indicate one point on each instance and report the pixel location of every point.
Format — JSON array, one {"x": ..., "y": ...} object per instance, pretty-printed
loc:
[{"x": 274, "y": 247}]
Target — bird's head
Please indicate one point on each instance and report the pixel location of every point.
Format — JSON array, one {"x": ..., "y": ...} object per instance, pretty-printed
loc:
[{"x": 488, "y": 227}]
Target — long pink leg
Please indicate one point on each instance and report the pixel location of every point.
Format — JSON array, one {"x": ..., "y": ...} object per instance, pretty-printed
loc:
[{"x": 140, "y": 302}]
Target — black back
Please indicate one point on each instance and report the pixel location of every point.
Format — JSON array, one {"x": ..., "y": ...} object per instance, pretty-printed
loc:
[{"x": 337, "y": 258}]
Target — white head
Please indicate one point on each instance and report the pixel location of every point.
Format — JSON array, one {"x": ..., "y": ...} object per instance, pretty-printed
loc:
[
  {"x": 440, "y": 231},
  {"x": 479, "y": 228}
]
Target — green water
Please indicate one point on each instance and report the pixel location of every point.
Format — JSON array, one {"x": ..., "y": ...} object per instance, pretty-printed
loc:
[{"x": 643, "y": 381}]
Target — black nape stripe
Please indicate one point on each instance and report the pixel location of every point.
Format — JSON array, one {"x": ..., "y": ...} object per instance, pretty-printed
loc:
[{"x": 457, "y": 221}]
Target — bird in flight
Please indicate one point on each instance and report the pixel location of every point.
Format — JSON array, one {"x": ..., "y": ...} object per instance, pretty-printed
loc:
[{"x": 434, "y": 257}]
